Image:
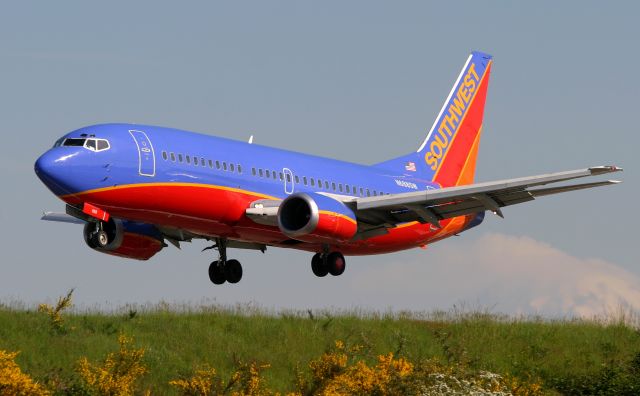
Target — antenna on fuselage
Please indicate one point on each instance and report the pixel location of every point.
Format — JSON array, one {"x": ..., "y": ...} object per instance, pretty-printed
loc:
[{"x": 251, "y": 139}]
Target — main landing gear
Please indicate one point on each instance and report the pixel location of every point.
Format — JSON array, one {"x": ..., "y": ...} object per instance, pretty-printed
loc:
[
  {"x": 223, "y": 270},
  {"x": 328, "y": 263}
]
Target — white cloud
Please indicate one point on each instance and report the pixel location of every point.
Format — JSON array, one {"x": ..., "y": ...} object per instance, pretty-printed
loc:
[{"x": 506, "y": 274}]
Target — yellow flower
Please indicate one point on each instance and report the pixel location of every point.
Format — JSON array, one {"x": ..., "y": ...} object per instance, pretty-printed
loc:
[
  {"x": 13, "y": 382},
  {"x": 117, "y": 375}
]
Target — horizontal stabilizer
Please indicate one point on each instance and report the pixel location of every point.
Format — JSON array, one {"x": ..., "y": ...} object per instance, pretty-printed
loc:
[{"x": 61, "y": 217}]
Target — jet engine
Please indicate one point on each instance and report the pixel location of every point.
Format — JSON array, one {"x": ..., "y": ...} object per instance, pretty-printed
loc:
[
  {"x": 123, "y": 238},
  {"x": 316, "y": 218}
]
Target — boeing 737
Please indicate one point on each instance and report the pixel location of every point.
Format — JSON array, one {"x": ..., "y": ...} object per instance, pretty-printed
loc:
[{"x": 137, "y": 187}]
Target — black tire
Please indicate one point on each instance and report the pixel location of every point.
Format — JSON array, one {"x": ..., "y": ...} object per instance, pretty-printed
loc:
[
  {"x": 318, "y": 266},
  {"x": 233, "y": 271},
  {"x": 336, "y": 263},
  {"x": 216, "y": 273}
]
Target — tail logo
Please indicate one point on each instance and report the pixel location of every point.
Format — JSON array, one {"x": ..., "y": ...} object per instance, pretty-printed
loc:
[{"x": 451, "y": 119}]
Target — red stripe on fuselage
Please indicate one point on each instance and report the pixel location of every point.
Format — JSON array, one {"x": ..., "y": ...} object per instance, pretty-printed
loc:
[{"x": 213, "y": 211}]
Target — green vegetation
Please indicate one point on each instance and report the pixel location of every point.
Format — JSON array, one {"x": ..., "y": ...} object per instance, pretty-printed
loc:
[{"x": 566, "y": 356}]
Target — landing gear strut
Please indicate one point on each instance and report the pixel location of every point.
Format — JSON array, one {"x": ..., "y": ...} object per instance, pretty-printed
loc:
[
  {"x": 328, "y": 263},
  {"x": 223, "y": 270}
]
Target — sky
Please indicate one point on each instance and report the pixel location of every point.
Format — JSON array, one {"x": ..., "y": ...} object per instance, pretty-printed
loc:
[{"x": 359, "y": 81}]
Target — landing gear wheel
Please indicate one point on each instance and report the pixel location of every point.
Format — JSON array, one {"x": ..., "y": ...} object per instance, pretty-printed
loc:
[
  {"x": 233, "y": 271},
  {"x": 335, "y": 263},
  {"x": 100, "y": 239},
  {"x": 318, "y": 265},
  {"x": 216, "y": 273}
]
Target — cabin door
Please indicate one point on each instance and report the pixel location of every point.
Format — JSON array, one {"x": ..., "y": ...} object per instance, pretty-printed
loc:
[
  {"x": 288, "y": 180},
  {"x": 146, "y": 155}
]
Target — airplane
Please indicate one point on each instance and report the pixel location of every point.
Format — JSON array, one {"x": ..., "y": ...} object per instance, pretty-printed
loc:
[{"x": 136, "y": 187}]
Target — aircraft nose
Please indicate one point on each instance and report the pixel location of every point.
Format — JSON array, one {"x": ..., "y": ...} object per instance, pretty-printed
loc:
[{"x": 50, "y": 169}]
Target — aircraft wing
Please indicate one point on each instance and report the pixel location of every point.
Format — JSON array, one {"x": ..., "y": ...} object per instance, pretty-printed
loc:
[{"x": 431, "y": 206}]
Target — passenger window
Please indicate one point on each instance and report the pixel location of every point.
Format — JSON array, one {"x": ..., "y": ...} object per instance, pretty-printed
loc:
[
  {"x": 288, "y": 178},
  {"x": 210, "y": 164},
  {"x": 333, "y": 186},
  {"x": 188, "y": 159},
  {"x": 266, "y": 172},
  {"x": 340, "y": 187},
  {"x": 224, "y": 165},
  {"x": 273, "y": 174},
  {"x": 253, "y": 171},
  {"x": 304, "y": 180},
  {"x": 232, "y": 167},
  {"x": 319, "y": 183},
  {"x": 260, "y": 172},
  {"x": 180, "y": 157},
  {"x": 368, "y": 193},
  {"x": 281, "y": 176},
  {"x": 297, "y": 179},
  {"x": 218, "y": 165},
  {"x": 374, "y": 193},
  {"x": 355, "y": 190},
  {"x": 346, "y": 188},
  {"x": 195, "y": 160},
  {"x": 164, "y": 155},
  {"x": 239, "y": 169},
  {"x": 361, "y": 192},
  {"x": 326, "y": 185},
  {"x": 202, "y": 162},
  {"x": 173, "y": 157},
  {"x": 313, "y": 182}
]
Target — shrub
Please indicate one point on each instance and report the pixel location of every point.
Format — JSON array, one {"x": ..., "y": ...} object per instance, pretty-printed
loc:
[
  {"x": 13, "y": 382},
  {"x": 55, "y": 313},
  {"x": 117, "y": 375}
]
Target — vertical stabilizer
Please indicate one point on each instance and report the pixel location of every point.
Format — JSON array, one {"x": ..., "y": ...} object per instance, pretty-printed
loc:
[{"x": 448, "y": 154}]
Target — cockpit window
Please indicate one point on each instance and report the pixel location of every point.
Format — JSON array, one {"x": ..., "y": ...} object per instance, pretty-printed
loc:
[
  {"x": 102, "y": 144},
  {"x": 59, "y": 142},
  {"x": 89, "y": 144},
  {"x": 74, "y": 142}
]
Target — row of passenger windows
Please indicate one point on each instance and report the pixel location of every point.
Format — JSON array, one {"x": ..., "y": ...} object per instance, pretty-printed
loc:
[
  {"x": 317, "y": 182},
  {"x": 270, "y": 174},
  {"x": 200, "y": 161}
]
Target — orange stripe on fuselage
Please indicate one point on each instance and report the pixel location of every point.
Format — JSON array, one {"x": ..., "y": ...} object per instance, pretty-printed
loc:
[
  {"x": 168, "y": 184},
  {"x": 336, "y": 214}
]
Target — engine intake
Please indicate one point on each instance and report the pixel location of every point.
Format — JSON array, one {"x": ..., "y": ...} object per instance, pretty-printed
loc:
[
  {"x": 312, "y": 217},
  {"x": 128, "y": 239}
]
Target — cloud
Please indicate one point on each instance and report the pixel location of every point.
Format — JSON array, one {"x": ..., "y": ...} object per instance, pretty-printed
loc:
[{"x": 514, "y": 275}]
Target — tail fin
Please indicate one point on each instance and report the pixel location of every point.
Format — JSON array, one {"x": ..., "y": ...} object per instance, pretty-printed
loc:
[{"x": 448, "y": 154}]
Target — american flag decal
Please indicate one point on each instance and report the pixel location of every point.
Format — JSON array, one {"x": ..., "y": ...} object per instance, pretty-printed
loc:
[{"x": 410, "y": 166}]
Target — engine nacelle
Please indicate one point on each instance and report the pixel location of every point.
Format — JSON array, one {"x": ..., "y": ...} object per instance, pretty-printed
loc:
[
  {"x": 312, "y": 217},
  {"x": 137, "y": 241}
]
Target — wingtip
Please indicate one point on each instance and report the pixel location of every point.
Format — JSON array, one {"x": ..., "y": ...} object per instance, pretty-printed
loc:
[{"x": 599, "y": 170}]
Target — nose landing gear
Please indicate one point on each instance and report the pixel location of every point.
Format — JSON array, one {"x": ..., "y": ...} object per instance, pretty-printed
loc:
[{"x": 223, "y": 270}]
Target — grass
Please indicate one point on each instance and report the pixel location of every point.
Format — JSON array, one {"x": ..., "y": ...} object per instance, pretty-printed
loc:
[{"x": 570, "y": 356}]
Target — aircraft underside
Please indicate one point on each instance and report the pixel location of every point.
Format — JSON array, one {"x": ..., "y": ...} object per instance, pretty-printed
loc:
[{"x": 219, "y": 215}]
